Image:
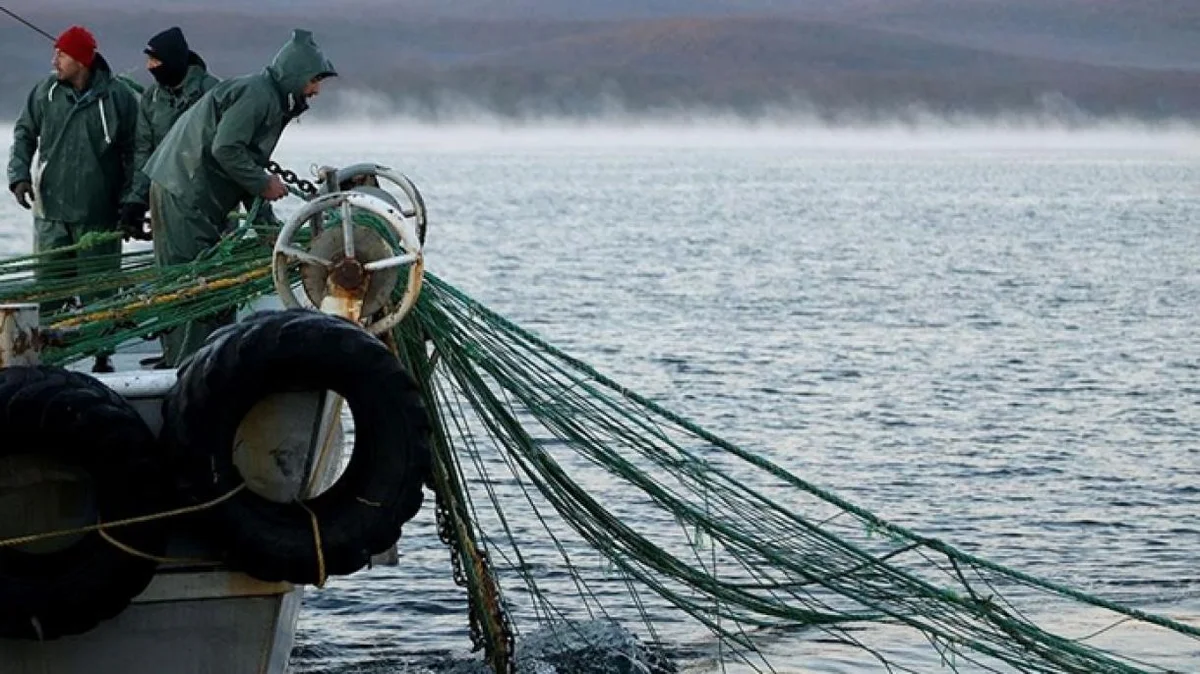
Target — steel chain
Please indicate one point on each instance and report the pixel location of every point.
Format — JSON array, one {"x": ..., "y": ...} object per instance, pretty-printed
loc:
[
  {"x": 289, "y": 177},
  {"x": 500, "y": 617},
  {"x": 446, "y": 534}
]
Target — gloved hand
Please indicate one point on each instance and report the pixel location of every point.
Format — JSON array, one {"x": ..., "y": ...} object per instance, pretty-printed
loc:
[
  {"x": 133, "y": 220},
  {"x": 23, "y": 191},
  {"x": 275, "y": 189}
]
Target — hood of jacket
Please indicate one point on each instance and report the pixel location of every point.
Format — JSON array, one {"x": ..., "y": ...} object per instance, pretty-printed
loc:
[{"x": 298, "y": 62}]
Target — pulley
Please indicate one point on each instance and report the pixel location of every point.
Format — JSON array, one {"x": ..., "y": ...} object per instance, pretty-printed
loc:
[{"x": 352, "y": 269}]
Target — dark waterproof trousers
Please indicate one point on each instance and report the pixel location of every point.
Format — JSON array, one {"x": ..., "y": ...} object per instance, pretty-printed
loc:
[
  {"x": 181, "y": 233},
  {"x": 60, "y": 267}
]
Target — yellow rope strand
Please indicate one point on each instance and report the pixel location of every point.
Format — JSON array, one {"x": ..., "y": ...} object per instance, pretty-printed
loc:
[
  {"x": 33, "y": 538},
  {"x": 199, "y": 288},
  {"x": 316, "y": 527},
  {"x": 130, "y": 550}
]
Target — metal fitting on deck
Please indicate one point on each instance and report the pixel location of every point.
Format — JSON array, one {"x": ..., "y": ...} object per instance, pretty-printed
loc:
[{"x": 20, "y": 339}]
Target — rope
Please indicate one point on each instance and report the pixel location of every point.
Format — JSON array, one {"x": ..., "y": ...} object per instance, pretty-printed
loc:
[
  {"x": 316, "y": 527},
  {"x": 100, "y": 526},
  {"x": 130, "y": 550},
  {"x": 201, "y": 287}
]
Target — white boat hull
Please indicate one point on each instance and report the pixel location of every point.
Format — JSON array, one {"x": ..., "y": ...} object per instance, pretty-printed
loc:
[{"x": 199, "y": 622}]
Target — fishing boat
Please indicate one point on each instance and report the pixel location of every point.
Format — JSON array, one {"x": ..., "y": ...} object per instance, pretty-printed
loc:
[{"x": 208, "y": 581}]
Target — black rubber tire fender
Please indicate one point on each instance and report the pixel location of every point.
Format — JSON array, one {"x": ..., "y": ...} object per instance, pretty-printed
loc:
[
  {"x": 74, "y": 418},
  {"x": 294, "y": 350}
]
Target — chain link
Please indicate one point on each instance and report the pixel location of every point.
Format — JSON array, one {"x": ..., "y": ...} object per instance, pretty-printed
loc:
[
  {"x": 289, "y": 177},
  {"x": 500, "y": 616},
  {"x": 446, "y": 534}
]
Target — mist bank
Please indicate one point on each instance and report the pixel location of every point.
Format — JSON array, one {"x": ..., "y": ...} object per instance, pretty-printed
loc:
[
  {"x": 609, "y": 104},
  {"x": 352, "y": 140},
  {"x": 445, "y": 110}
]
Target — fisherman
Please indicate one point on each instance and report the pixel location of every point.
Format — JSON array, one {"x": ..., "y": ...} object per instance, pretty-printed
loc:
[
  {"x": 215, "y": 156},
  {"x": 181, "y": 77},
  {"x": 81, "y": 122}
]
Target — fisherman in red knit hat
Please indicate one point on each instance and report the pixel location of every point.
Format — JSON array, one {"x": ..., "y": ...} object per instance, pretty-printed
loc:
[{"x": 80, "y": 122}]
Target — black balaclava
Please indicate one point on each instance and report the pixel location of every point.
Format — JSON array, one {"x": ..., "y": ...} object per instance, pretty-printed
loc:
[{"x": 171, "y": 48}]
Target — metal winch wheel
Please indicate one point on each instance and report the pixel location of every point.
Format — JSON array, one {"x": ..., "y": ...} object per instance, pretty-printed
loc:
[
  {"x": 351, "y": 270},
  {"x": 365, "y": 177}
]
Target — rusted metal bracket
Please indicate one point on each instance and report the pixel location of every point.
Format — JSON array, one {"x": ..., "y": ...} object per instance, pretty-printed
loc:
[{"x": 20, "y": 339}]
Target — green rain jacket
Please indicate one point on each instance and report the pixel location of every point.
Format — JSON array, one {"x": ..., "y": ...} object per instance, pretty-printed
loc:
[
  {"x": 216, "y": 154},
  {"x": 84, "y": 141},
  {"x": 157, "y": 112}
]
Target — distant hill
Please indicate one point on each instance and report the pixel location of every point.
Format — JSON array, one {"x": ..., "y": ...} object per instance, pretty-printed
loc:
[
  {"x": 585, "y": 57},
  {"x": 1152, "y": 33}
]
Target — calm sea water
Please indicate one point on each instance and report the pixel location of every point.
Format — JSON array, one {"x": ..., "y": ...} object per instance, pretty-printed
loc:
[{"x": 990, "y": 337}]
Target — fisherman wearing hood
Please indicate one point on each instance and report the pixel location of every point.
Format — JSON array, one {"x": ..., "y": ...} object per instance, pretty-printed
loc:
[
  {"x": 181, "y": 78},
  {"x": 216, "y": 155},
  {"x": 81, "y": 122}
]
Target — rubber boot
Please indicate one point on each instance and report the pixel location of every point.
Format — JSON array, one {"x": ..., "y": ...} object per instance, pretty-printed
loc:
[{"x": 102, "y": 364}]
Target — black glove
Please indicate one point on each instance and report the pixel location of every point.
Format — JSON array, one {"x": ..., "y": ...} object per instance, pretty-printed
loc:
[
  {"x": 133, "y": 220},
  {"x": 23, "y": 191}
]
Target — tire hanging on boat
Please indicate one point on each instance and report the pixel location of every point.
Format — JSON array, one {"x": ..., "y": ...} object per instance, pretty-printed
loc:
[
  {"x": 299, "y": 350},
  {"x": 69, "y": 424}
]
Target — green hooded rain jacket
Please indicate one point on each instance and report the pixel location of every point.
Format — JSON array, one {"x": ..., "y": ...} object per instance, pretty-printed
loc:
[
  {"x": 85, "y": 145},
  {"x": 214, "y": 157},
  {"x": 216, "y": 154},
  {"x": 160, "y": 107}
]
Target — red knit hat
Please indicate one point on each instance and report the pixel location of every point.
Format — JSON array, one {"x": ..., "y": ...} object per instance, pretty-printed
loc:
[{"x": 78, "y": 43}]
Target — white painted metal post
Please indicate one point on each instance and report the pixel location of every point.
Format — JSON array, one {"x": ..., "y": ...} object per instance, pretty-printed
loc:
[{"x": 18, "y": 335}]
